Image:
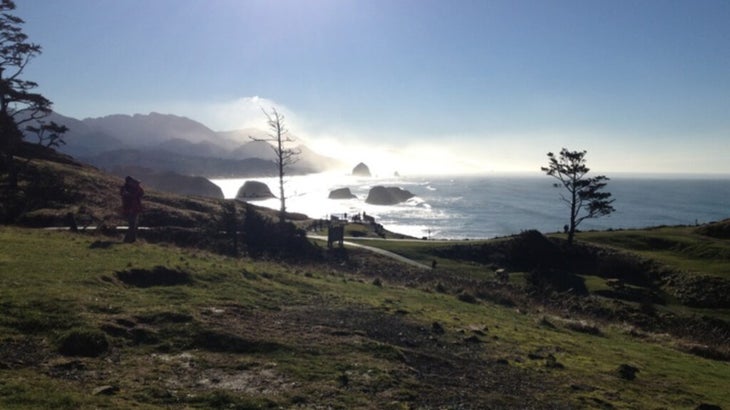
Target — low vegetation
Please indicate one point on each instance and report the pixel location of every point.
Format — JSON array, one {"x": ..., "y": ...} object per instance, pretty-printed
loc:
[{"x": 185, "y": 319}]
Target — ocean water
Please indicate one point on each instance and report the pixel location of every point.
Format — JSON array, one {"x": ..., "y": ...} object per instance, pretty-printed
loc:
[{"x": 477, "y": 207}]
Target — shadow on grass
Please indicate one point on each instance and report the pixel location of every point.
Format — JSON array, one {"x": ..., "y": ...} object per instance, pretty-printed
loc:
[{"x": 158, "y": 276}]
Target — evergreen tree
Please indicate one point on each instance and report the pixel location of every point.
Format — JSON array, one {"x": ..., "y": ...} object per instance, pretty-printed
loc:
[
  {"x": 20, "y": 107},
  {"x": 584, "y": 193}
]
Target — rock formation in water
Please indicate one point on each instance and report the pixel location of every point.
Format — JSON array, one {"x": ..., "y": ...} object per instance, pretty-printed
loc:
[
  {"x": 342, "y": 193},
  {"x": 253, "y": 190},
  {"x": 381, "y": 195},
  {"x": 361, "y": 170}
]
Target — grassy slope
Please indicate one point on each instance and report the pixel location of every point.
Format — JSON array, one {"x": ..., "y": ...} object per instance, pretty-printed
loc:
[
  {"x": 684, "y": 249},
  {"x": 680, "y": 247},
  {"x": 319, "y": 335},
  {"x": 249, "y": 334}
]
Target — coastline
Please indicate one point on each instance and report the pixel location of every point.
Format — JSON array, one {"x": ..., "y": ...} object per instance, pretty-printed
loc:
[{"x": 495, "y": 205}]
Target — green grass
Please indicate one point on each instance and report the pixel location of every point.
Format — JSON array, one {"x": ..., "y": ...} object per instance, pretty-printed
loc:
[
  {"x": 680, "y": 247},
  {"x": 297, "y": 335},
  {"x": 421, "y": 251},
  {"x": 425, "y": 253},
  {"x": 590, "y": 360}
]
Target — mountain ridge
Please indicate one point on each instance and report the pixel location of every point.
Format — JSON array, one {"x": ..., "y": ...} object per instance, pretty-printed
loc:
[{"x": 172, "y": 143}]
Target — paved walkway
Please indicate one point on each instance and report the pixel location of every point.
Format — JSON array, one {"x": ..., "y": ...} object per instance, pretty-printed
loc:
[{"x": 379, "y": 251}]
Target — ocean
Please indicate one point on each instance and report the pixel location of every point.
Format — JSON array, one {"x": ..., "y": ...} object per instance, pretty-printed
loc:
[{"x": 478, "y": 207}]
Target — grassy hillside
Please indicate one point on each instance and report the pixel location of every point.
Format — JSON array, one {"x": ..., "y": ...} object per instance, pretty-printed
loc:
[
  {"x": 687, "y": 248},
  {"x": 670, "y": 279},
  {"x": 154, "y": 326},
  {"x": 53, "y": 186},
  {"x": 623, "y": 320}
]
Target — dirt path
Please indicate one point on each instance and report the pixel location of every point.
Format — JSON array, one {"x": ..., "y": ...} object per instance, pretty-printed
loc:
[{"x": 379, "y": 251}]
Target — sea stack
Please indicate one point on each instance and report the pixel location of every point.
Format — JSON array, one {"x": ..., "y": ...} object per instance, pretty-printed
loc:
[
  {"x": 361, "y": 170},
  {"x": 342, "y": 193},
  {"x": 254, "y": 190},
  {"x": 381, "y": 195}
]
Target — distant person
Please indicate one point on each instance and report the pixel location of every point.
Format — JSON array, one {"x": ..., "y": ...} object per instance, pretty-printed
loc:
[{"x": 131, "y": 193}]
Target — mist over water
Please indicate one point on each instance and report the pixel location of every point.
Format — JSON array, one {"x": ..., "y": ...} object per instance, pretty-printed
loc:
[{"x": 477, "y": 207}]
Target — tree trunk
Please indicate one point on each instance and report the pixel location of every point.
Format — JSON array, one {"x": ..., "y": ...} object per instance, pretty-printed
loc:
[
  {"x": 571, "y": 234},
  {"x": 12, "y": 182},
  {"x": 282, "y": 211},
  {"x": 573, "y": 204}
]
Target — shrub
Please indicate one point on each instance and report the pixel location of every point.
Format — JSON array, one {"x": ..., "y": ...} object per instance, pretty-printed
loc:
[
  {"x": 627, "y": 372},
  {"x": 158, "y": 276},
  {"x": 719, "y": 230},
  {"x": 467, "y": 297},
  {"x": 264, "y": 237},
  {"x": 548, "y": 280},
  {"x": 83, "y": 342}
]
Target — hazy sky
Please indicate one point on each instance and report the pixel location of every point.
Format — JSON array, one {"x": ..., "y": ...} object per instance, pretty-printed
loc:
[{"x": 643, "y": 86}]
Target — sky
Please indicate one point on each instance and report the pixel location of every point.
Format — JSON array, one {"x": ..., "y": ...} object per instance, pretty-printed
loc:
[{"x": 419, "y": 86}]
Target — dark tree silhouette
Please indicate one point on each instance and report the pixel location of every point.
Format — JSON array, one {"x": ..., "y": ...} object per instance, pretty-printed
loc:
[
  {"x": 264, "y": 237},
  {"x": 285, "y": 156},
  {"x": 584, "y": 193},
  {"x": 19, "y": 106},
  {"x": 49, "y": 134}
]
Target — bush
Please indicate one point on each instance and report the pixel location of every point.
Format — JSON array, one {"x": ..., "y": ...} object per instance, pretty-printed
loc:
[
  {"x": 83, "y": 342},
  {"x": 627, "y": 372},
  {"x": 544, "y": 281},
  {"x": 532, "y": 250},
  {"x": 720, "y": 230},
  {"x": 264, "y": 237},
  {"x": 467, "y": 297},
  {"x": 158, "y": 276}
]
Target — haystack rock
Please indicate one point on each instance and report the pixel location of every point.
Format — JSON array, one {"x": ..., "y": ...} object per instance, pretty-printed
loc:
[
  {"x": 361, "y": 170},
  {"x": 381, "y": 195},
  {"x": 342, "y": 193},
  {"x": 253, "y": 190}
]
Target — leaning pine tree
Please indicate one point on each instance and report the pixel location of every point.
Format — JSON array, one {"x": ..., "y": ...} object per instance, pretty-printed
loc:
[
  {"x": 585, "y": 197},
  {"x": 21, "y": 109}
]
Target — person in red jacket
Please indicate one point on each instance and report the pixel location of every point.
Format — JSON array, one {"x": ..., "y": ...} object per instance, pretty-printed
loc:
[{"x": 131, "y": 193}]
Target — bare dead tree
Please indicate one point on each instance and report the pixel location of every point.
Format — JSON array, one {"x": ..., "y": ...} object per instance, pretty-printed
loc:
[{"x": 285, "y": 156}]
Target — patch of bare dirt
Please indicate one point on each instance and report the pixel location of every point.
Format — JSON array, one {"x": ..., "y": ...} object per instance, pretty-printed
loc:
[
  {"x": 439, "y": 368},
  {"x": 254, "y": 380},
  {"x": 452, "y": 370},
  {"x": 16, "y": 354}
]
